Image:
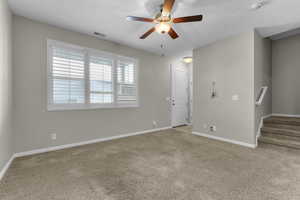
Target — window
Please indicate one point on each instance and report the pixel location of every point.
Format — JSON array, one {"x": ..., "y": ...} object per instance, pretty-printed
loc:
[
  {"x": 82, "y": 78},
  {"x": 67, "y": 76},
  {"x": 126, "y": 84}
]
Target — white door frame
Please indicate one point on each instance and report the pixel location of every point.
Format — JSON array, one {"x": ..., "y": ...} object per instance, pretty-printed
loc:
[
  {"x": 172, "y": 99},
  {"x": 190, "y": 100}
]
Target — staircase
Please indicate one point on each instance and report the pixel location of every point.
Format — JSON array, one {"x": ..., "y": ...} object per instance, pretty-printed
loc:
[{"x": 282, "y": 131}]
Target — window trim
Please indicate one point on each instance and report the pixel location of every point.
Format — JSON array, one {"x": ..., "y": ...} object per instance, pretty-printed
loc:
[{"x": 87, "y": 105}]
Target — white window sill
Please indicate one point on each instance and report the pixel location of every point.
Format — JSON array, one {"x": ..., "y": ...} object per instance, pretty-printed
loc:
[{"x": 88, "y": 107}]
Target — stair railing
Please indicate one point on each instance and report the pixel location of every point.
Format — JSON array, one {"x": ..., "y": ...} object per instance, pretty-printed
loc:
[{"x": 262, "y": 92}]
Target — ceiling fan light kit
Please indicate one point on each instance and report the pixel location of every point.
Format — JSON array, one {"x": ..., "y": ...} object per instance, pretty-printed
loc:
[
  {"x": 164, "y": 21},
  {"x": 163, "y": 27}
]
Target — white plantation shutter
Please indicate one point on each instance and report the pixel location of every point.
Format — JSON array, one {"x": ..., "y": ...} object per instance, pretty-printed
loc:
[
  {"x": 101, "y": 80},
  {"x": 82, "y": 78},
  {"x": 67, "y": 76},
  {"x": 126, "y": 82}
]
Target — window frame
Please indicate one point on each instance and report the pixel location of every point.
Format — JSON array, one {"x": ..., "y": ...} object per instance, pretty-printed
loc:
[{"x": 87, "y": 90}]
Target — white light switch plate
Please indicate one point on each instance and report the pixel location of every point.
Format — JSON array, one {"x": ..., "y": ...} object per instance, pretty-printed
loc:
[{"x": 235, "y": 97}]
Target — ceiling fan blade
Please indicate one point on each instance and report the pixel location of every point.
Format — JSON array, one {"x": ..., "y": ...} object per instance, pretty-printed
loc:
[
  {"x": 173, "y": 34},
  {"x": 167, "y": 8},
  {"x": 140, "y": 19},
  {"x": 195, "y": 18},
  {"x": 147, "y": 33}
]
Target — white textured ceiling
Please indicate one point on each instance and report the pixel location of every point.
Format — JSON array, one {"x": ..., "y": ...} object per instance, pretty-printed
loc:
[{"x": 222, "y": 18}]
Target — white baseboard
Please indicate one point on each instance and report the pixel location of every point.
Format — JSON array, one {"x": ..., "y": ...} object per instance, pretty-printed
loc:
[
  {"x": 55, "y": 148},
  {"x": 225, "y": 140},
  {"x": 6, "y": 166},
  {"x": 284, "y": 115}
]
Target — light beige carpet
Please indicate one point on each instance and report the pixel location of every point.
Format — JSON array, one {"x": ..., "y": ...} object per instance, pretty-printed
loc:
[{"x": 167, "y": 165}]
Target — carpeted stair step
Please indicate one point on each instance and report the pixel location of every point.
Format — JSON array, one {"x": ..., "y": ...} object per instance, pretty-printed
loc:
[
  {"x": 280, "y": 142},
  {"x": 294, "y": 121},
  {"x": 279, "y": 136},
  {"x": 281, "y": 131},
  {"x": 282, "y": 126}
]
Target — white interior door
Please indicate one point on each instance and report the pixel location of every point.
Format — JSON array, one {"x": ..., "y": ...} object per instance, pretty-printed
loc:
[{"x": 179, "y": 95}]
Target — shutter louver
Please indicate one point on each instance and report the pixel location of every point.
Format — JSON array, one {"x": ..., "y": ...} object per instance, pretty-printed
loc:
[{"x": 67, "y": 76}]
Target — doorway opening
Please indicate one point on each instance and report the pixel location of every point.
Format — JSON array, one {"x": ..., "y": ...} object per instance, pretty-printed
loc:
[{"x": 181, "y": 94}]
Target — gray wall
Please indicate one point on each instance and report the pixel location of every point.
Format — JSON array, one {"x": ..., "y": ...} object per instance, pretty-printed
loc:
[
  {"x": 262, "y": 76},
  {"x": 230, "y": 63},
  {"x": 5, "y": 84},
  {"x": 33, "y": 123},
  {"x": 286, "y": 72}
]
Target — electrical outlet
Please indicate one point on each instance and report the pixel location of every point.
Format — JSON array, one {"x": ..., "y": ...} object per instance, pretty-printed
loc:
[
  {"x": 213, "y": 128},
  {"x": 154, "y": 123},
  {"x": 53, "y": 136}
]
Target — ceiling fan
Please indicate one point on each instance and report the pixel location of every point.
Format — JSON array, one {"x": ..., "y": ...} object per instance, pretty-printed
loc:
[{"x": 164, "y": 20}]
